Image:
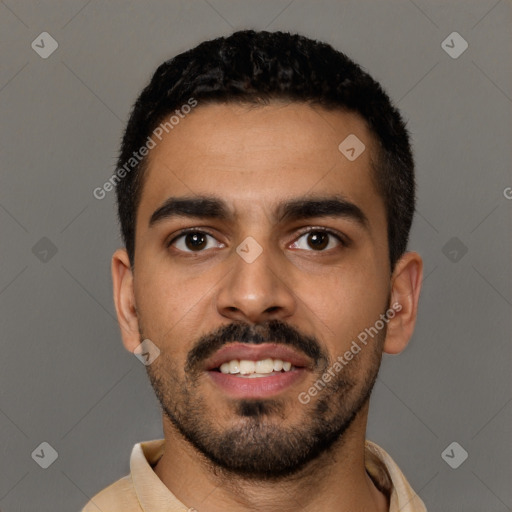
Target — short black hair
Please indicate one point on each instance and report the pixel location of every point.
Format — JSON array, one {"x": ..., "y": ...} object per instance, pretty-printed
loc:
[{"x": 258, "y": 67}]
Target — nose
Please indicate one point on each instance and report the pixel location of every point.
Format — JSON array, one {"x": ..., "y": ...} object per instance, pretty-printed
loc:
[{"x": 256, "y": 290}]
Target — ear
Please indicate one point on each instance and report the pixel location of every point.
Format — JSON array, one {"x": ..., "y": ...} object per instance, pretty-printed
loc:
[
  {"x": 124, "y": 299},
  {"x": 405, "y": 294}
]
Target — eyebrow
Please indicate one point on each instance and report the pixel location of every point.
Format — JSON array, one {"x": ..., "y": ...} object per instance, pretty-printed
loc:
[{"x": 206, "y": 207}]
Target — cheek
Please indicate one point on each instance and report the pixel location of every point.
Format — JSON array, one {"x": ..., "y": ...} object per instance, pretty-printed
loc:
[
  {"x": 350, "y": 291},
  {"x": 347, "y": 303},
  {"x": 171, "y": 308},
  {"x": 161, "y": 300}
]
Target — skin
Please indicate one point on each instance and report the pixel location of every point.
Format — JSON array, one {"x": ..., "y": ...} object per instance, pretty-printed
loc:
[{"x": 254, "y": 158}]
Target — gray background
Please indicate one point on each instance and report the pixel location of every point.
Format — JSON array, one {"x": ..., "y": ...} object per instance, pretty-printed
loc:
[{"x": 65, "y": 378}]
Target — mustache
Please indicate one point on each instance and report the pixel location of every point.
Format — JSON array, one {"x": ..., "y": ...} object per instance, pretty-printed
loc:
[{"x": 273, "y": 331}]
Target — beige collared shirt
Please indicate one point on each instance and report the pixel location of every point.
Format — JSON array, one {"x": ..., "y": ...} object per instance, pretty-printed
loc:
[{"x": 143, "y": 491}]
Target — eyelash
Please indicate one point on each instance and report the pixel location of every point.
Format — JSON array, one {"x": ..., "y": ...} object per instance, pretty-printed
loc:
[{"x": 341, "y": 238}]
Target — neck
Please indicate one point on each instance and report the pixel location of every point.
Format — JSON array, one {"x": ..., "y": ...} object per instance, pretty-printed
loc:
[{"x": 334, "y": 482}]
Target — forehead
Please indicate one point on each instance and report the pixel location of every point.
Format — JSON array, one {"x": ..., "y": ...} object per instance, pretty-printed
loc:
[{"x": 258, "y": 155}]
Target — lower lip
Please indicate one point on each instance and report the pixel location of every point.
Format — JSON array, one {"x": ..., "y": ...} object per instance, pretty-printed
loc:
[{"x": 260, "y": 387}]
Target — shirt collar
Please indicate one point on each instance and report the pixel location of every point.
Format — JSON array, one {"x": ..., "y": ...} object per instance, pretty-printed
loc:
[
  {"x": 154, "y": 496},
  {"x": 151, "y": 492}
]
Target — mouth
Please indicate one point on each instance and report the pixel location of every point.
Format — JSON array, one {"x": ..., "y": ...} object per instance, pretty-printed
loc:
[
  {"x": 256, "y": 371},
  {"x": 251, "y": 369}
]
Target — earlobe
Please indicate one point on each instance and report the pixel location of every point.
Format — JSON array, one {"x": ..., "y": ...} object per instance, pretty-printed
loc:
[
  {"x": 124, "y": 299},
  {"x": 405, "y": 293}
]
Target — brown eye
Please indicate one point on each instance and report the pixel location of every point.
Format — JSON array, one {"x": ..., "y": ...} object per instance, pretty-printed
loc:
[
  {"x": 193, "y": 241},
  {"x": 318, "y": 240}
]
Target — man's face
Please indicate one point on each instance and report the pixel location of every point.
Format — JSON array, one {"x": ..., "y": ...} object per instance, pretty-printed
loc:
[{"x": 253, "y": 285}]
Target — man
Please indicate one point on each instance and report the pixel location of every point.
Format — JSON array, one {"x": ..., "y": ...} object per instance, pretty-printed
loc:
[{"x": 266, "y": 192}]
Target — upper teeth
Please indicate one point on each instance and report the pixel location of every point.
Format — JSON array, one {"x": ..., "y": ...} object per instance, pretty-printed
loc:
[{"x": 246, "y": 367}]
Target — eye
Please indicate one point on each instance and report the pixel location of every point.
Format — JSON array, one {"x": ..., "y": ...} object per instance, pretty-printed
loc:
[
  {"x": 319, "y": 240},
  {"x": 193, "y": 240}
]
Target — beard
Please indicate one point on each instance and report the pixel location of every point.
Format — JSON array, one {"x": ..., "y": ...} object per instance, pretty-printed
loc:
[{"x": 258, "y": 444}]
